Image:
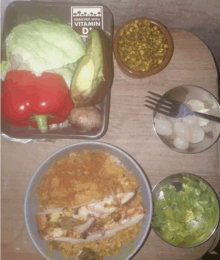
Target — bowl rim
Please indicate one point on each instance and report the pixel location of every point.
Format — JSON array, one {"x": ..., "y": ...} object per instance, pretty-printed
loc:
[
  {"x": 101, "y": 144},
  {"x": 179, "y": 150},
  {"x": 139, "y": 74},
  {"x": 216, "y": 196}
]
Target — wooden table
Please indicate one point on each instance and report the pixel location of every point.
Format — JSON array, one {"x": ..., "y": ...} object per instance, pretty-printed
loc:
[{"x": 130, "y": 128}]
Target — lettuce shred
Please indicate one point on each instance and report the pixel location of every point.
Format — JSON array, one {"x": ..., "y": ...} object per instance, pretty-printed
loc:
[{"x": 186, "y": 217}]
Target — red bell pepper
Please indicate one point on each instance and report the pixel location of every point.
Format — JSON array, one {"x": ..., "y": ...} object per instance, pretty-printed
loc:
[{"x": 36, "y": 101}]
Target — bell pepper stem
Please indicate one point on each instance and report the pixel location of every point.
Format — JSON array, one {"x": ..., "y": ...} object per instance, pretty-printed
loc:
[{"x": 41, "y": 122}]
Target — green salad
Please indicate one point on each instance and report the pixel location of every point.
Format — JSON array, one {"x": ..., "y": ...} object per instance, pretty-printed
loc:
[{"x": 187, "y": 217}]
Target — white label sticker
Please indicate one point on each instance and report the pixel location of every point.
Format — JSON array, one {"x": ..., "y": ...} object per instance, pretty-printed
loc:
[{"x": 86, "y": 18}]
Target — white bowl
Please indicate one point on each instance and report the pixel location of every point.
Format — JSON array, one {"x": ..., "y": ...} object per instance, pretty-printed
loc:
[{"x": 31, "y": 204}]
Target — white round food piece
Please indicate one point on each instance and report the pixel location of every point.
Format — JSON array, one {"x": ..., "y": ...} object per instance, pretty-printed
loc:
[
  {"x": 203, "y": 121},
  {"x": 181, "y": 143},
  {"x": 190, "y": 120},
  {"x": 197, "y": 135},
  {"x": 195, "y": 105},
  {"x": 174, "y": 120},
  {"x": 163, "y": 126},
  {"x": 181, "y": 129},
  {"x": 160, "y": 116},
  {"x": 207, "y": 128}
]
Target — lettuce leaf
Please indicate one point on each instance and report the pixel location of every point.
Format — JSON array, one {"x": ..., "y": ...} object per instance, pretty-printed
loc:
[
  {"x": 66, "y": 73},
  {"x": 5, "y": 65},
  {"x": 41, "y": 45}
]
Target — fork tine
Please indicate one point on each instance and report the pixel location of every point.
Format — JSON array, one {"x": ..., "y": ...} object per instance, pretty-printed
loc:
[
  {"x": 157, "y": 110},
  {"x": 157, "y": 95},
  {"x": 160, "y": 101},
  {"x": 161, "y": 97},
  {"x": 158, "y": 105},
  {"x": 165, "y": 98}
]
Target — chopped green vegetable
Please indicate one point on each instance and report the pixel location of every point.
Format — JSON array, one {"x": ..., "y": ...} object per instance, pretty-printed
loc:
[{"x": 186, "y": 217}]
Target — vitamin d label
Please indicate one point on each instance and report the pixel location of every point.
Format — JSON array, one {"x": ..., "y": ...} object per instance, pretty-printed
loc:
[{"x": 86, "y": 18}]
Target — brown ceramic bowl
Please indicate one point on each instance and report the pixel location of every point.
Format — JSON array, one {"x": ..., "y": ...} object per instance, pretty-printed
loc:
[{"x": 140, "y": 74}]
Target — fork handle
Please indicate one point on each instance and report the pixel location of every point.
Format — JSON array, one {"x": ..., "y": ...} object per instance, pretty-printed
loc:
[{"x": 209, "y": 117}]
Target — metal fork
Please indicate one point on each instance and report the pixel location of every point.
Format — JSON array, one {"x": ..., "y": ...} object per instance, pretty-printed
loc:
[{"x": 174, "y": 108}]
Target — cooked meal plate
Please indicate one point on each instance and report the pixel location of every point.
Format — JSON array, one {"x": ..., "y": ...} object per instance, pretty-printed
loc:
[{"x": 90, "y": 205}]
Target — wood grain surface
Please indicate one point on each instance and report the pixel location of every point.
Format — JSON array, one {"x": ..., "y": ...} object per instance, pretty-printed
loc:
[{"x": 130, "y": 128}]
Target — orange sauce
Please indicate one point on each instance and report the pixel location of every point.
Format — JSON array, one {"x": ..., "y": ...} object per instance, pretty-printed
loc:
[{"x": 82, "y": 177}]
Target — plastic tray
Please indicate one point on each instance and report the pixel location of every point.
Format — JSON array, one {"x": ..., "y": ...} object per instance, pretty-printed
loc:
[{"x": 73, "y": 14}]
